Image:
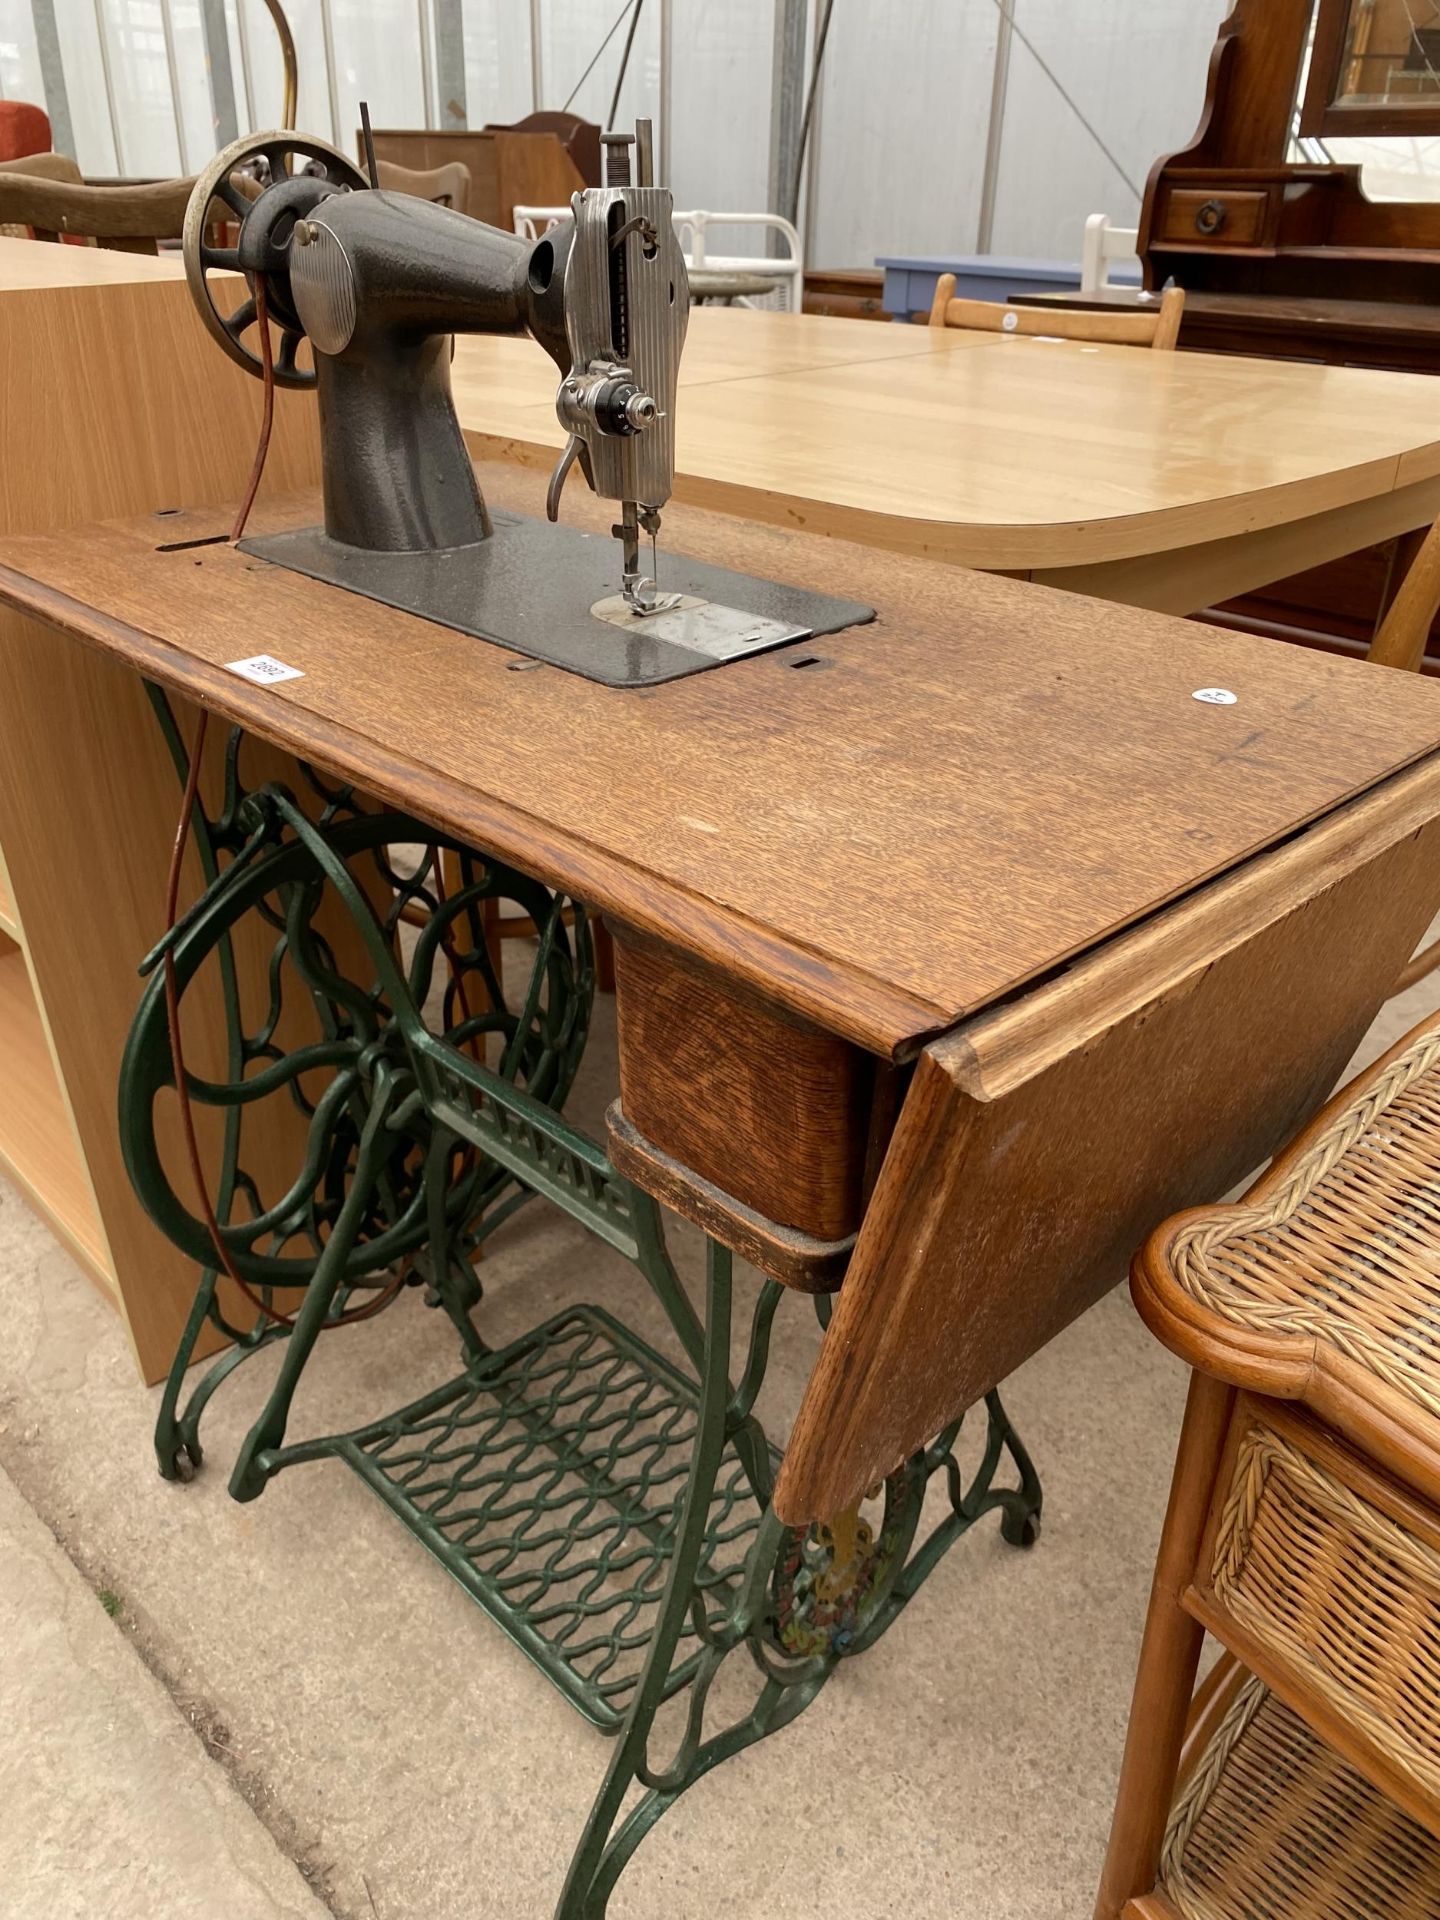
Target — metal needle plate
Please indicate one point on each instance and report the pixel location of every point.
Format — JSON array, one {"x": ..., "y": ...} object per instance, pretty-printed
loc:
[{"x": 531, "y": 586}]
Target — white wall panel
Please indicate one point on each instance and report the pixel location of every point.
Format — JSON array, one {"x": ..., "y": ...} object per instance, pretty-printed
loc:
[
  {"x": 905, "y": 102},
  {"x": 901, "y": 128},
  {"x": 720, "y": 60},
  {"x": 1399, "y": 168},
  {"x": 197, "y": 118},
  {"x": 1136, "y": 69},
  {"x": 267, "y": 82},
  {"x": 20, "y": 76},
  {"x": 244, "y": 117},
  {"x": 85, "y": 86},
  {"x": 140, "y": 79},
  {"x": 377, "y": 59},
  {"x": 571, "y": 30},
  {"x": 498, "y": 85}
]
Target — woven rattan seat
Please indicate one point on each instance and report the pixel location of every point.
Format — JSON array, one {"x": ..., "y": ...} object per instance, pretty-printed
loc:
[{"x": 1273, "y": 1824}]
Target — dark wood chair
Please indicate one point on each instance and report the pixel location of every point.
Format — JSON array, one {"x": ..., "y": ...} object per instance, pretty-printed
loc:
[
  {"x": 46, "y": 166},
  {"x": 447, "y": 186},
  {"x": 580, "y": 138},
  {"x": 55, "y": 204},
  {"x": 43, "y": 166},
  {"x": 1400, "y": 641},
  {"x": 1303, "y": 1533}
]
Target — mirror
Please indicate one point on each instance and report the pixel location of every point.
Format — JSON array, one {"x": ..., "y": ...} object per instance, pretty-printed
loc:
[{"x": 1374, "y": 68}]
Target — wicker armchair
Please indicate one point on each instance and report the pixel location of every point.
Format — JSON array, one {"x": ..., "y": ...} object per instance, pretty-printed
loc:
[{"x": 1303, "y": 1533}]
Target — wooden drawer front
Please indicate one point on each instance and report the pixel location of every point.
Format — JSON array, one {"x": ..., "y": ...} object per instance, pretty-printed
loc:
[
  {"x": 768, "y": 1110},
  {"x": 1228, "y": 218},
  {"x": 1336, "y": 1577}
]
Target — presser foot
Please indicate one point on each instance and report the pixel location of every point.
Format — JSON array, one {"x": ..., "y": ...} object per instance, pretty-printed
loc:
[{"x": 639, "y": 592}]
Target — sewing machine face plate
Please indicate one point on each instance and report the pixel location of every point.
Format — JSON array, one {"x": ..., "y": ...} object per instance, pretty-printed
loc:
[{"x": 531, "y": 588}]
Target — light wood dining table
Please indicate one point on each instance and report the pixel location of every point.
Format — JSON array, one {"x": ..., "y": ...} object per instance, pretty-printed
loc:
[{"x": 1169, "y": 481}]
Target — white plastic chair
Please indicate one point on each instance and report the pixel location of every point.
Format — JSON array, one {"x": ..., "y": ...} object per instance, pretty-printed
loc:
[
  {"x": 533, "y": 223},
  {"x": 787, "y": 270},
  {"x": 1104, "y": 243}
]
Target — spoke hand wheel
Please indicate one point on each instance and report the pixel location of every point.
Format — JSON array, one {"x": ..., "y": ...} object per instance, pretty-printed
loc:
[{"x": 261, "y": 184}]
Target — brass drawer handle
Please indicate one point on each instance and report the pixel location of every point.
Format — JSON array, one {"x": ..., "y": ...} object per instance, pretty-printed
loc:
[{"x": 1211, "y": 217}]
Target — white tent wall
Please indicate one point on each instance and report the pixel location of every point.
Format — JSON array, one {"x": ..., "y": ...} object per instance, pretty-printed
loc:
[
  {"x": 903, "y": 139},
  {"x": 499, "y": 83},
  {"x": 267, "y": 73},
  {"x": 1136, "y": 70},
  {"x": 570, "y": 33},
  {"x": 21, "y": 77},
  {"x": 135, "y": 48},
  {"x": 904, "y": 108},
  {"x": 87, "y": 91},
  {"x": 902, "y": 131},
  {"x": 720, "y": 84}
]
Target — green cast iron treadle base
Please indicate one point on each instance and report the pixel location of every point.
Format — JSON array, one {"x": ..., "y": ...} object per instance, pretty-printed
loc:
[{"x": 547, "y": 1479}]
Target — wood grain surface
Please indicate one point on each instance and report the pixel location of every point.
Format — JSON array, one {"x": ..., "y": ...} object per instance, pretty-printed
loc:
[
  {"x": 992, "y": 451},
  {"x": 109, "y": 376},
  {"x": 773, "y": 1111},
  {"x": 1038, "y": 1145},
  {"x": 794, "y": 1258},
  {"x": 26, "y": 265},
  {"x": 37, "y": 1148},
  {"x": 721, "y": 343},
  {"x": 988, "y": 780}
]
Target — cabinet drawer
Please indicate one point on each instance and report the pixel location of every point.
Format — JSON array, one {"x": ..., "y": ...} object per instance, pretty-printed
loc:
[
  {"x": 1228, "y": 218},
  {"x": 1333, "y": 1573}
]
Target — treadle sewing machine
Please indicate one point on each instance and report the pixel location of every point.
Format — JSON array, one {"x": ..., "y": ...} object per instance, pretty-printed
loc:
[
  {"x": 955, "y": 947},
  {"x": 379, "y": 284}
]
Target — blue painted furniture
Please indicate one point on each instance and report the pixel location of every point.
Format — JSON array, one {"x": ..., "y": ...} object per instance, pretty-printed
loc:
[{"x": 910, "y": 281}]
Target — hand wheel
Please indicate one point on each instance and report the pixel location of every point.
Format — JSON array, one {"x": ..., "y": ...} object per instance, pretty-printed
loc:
[{"x": 231, "y": 190}]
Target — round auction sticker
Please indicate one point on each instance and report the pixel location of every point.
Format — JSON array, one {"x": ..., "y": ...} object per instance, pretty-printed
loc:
[{"x": 1215, "y": 696}]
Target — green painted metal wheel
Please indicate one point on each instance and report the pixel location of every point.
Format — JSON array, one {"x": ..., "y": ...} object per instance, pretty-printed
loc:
[{"x": 325, "y": 1041}]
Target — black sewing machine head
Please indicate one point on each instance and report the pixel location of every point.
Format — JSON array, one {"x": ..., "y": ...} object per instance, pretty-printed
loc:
[{"x": 379, "y": 283}]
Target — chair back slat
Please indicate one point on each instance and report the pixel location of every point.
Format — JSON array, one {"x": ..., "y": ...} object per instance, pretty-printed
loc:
[
  {"x": 447, "y": 186},
  {"x": 130, "y": 218},
  {"x": 1157, "y": 328}
]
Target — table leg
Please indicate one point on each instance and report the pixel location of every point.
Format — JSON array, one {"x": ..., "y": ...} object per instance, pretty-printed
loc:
[{"x": 610, "y": 1510}]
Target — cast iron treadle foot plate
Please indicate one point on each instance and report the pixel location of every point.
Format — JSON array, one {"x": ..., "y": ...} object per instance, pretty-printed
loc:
[
  {"x": 530, "y": 588},
  {"x": 547, "y": 1480}
]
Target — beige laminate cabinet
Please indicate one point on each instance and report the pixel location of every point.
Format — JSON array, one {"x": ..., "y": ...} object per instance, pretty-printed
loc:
[{"x": 116, "y": 402}]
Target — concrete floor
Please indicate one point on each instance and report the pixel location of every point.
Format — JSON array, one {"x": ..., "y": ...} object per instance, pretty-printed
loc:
[{"x": 413, "y": 1764}]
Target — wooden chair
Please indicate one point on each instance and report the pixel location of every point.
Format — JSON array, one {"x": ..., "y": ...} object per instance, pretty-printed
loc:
[
  {"x": 129, "y": 219},
  {"x": 43, "y": 166},
  {"x": 580, "y": 139},
  {"x": 1158, "y": 327},
  {"x": 1303, "y": 1532},
  {"x": 1400, "y": 641},
  {"x": 447, "y": 186},
  {"x": 46, "y": 166}
]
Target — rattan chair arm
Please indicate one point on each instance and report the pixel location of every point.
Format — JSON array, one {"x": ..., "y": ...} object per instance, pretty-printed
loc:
[
  {"x": 1277, "y": 1365},
  {"x": 1385, "y": 1426},
  {"x": 1233, "y": 1340}
]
